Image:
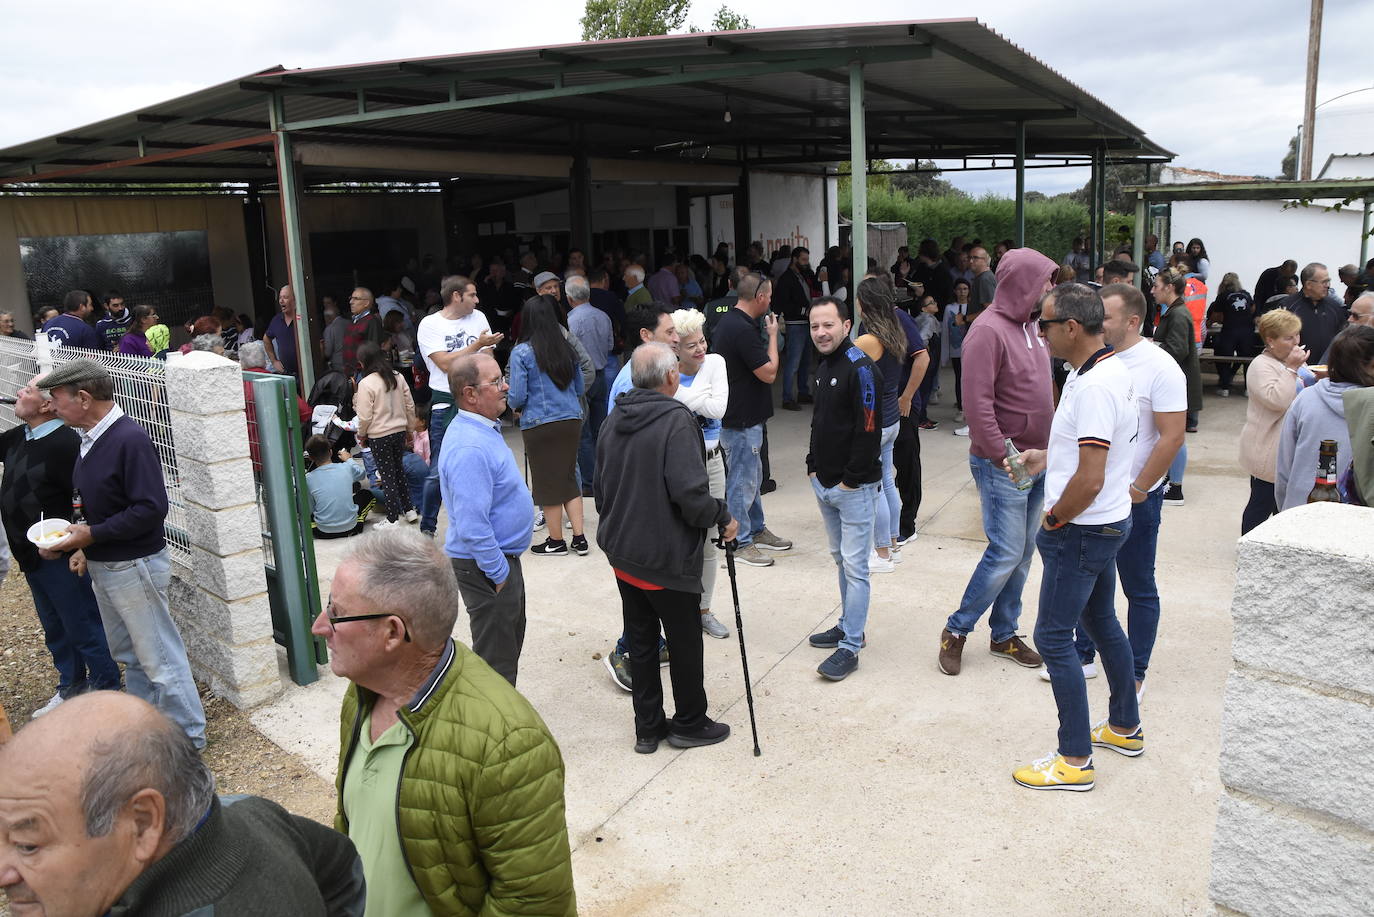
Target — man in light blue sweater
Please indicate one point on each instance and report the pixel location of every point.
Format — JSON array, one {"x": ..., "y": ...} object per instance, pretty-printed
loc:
[{"x": 491, "y": 514}]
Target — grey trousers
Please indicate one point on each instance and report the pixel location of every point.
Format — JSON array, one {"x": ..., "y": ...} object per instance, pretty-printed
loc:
[{"x": 497, "y": 618}]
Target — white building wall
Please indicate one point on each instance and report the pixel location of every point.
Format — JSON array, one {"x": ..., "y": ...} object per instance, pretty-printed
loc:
[
  {"x": 1249, "y": 236},
  {"x": 791, "y": 210}
]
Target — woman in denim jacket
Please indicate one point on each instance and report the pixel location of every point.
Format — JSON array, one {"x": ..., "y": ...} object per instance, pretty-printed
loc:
[{"x": 546, "y": 389}]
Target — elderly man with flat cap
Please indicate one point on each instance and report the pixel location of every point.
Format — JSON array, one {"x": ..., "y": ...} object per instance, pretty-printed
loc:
[
  {"x": 119, "y": 476},
  {"x": 107, "y": 809}
]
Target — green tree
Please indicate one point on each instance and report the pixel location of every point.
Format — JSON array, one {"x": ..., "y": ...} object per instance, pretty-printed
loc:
[
  {"x": 632, "y": 18},
  {"x": 924, "y": 183},
  {"x": 1118, "y": 177},
  {"x": 726, "y": 20},
  {"x": 1288, "y": 169}
]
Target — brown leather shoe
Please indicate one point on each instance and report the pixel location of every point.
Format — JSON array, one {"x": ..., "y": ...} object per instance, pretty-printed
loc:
[
  {"x": 1016, "y": 650},
  {"x": 951, "y": 652}
]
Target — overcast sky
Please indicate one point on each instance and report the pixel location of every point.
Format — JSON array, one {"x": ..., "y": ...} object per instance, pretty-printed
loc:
[{"x": 1218, "y": 82}]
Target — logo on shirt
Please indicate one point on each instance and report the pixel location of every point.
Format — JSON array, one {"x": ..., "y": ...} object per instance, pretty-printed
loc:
[{"x": 458, "y": 341}]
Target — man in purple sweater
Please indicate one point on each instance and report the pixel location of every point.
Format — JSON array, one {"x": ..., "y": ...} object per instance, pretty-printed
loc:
[
  {"x": 120, "y": 479},
  {"x": 1006, "y": 396}
]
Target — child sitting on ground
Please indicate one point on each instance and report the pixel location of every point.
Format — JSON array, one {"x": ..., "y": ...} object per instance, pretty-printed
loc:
[{"x": 338, "y": 507}]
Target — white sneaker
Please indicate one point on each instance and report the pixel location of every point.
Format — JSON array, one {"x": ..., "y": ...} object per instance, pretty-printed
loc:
[
  {"x": 567, "y": 524},
  {"x": 53, "y": 703},
  {"x": 903, "y": 542},
  {"x": 538, "y": 519},
  {"x": 958, "y": 416},
  {"x": 879, "y": 564},
  {"x": 961, "y": 431},
  {"x": 896, "y": 554},
  {"x": 412, "y": 517},
  {"x": 712, "y": 626},
  {"x": 384, "y": 525},
  {"x": 1089, "y": 671}
]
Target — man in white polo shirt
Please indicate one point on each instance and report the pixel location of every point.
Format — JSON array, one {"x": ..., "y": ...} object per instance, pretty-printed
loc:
[
  {"x": 457, "y": 329},
  {"x": 1087, "y": 489},
  {"x": 1161, "y": 392}
]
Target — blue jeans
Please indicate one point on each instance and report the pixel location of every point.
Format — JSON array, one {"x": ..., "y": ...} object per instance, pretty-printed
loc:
[
  {"x": 1077, "y": 587},
  {"x": 848, "y": 518},
  {"x": 1177, "y": 466},
  {"x": 141, "y": 634},
  {"x": 596, "y": 413},
  {"x": 888, "y": 507},
  {"x": 1135, "y": 565},
  {"x": 743, "y": 474},
  {"x": 71, "y": 628},
  {"x": 1010, "y": 520},
  {"x": 440, "y": 413},
  {"x": 794, "y": 363},
  {"x": 417, "y": 472}
]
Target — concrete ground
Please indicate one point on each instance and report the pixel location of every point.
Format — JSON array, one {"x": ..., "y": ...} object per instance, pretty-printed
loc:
[{"x": 891, "y": 792}]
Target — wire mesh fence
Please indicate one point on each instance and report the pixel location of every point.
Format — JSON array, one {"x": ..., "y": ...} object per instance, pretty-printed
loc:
[{"x": 140, "y": 386}]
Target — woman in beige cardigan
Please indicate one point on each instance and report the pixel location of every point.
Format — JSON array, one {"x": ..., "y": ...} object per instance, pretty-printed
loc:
[
  {"x": 1272, "y": 381},
  {"x": 386, "y": 416}
]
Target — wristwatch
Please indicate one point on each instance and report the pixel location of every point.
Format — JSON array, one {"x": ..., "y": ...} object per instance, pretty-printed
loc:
[{"x": 1052, "y": 521}]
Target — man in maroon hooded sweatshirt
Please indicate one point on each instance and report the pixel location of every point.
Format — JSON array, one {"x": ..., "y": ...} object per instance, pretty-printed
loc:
[{"x": 1007, "y": 395}]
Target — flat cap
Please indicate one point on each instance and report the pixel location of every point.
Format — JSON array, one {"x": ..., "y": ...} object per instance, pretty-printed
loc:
[
  {"x": 77, "y": 372},
  {"x": 543, "y": 277}
]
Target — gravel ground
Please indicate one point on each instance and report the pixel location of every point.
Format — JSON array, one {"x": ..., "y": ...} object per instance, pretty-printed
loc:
[{"x": 243, "y": 760}]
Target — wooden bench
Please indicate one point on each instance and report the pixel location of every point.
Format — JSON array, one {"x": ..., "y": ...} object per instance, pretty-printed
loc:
[{"x": 1207, "y": 358}]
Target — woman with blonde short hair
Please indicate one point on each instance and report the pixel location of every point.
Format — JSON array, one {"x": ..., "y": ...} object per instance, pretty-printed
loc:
[
  {"x": 1272, "y": 383},
  {"x": 705, "y": 389}
]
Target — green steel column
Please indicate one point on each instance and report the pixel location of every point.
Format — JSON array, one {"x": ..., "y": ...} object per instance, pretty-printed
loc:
[
  {"x": 1364, "y": 237},
  {"x": 858, "y": 179},
  {"x": 1100, "y": 228},
  {"x": 1138, "y": 251},
  {"x": 288, "y": 187},
  {"x": 1020, "y": 228}
]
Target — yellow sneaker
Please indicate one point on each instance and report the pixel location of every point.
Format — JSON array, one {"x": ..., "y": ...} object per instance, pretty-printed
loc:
[
  {"x": 1130, "y": 746},
  {"x": 1052, "y": 772}
]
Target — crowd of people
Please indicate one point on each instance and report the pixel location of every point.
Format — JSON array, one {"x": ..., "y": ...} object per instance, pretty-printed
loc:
[{"x": 650, "y": 393}]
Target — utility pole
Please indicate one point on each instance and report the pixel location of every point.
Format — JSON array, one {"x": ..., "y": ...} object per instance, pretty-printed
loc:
[{"x": 1309, "y": 115}]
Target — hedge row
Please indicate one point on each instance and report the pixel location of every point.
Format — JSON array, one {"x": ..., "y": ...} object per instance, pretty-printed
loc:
[{"x": 1051, "y": 225}]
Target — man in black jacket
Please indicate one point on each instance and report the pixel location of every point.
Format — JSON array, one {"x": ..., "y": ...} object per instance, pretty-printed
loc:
[
  {"x": 791, "y": 299},
  {"x": 655, "y": 506},
  {"x": 845, "y": 467},
  {"x": 107, "y": 808}
]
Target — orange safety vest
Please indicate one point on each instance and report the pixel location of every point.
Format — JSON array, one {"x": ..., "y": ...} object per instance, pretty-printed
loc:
[{"x": 1195, "y": 297}]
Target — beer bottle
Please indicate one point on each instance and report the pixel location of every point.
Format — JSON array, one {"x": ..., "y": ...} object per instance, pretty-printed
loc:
[
  {"x": 1324, "y": 491},
  {"x": 1019, "y": 476}
]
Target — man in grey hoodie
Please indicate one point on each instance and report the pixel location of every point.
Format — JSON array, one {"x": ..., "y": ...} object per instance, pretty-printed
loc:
[
  {"x": 654, "y": 501},
  {"x": 1007, "y": 395}
]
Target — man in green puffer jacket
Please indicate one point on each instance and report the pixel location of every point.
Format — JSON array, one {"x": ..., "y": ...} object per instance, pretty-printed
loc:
[{"x": 449, "y": 783}]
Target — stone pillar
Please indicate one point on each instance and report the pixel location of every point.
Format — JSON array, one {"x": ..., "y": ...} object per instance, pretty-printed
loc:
[
  {"x": 221, "y": 602},
  {"x": 1295, "y": 828}
]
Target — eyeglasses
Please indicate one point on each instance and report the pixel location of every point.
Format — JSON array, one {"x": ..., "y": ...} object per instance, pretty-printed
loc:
[
  {"x": 1045, "y": 323},
  {"x": 344, "y": 619},
  {"x": 497, "y": 382}
]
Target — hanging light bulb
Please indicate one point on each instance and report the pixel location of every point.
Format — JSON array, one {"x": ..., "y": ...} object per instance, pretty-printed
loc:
[{"x": 728, "y": 116}]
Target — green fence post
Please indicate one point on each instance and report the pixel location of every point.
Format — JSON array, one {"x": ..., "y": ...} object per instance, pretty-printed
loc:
[{"x": 287, "y": 503}]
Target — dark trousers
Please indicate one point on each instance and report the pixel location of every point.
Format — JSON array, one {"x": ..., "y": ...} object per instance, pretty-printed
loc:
[
  {"x": 763, "y": 456},
  {"x": 958, "y": 364},
  {"x": 596, "y": 414},
  {"x": 1261, "y": 505},
  {"x": 644, "y": 610},
  {"x": 497, "y": 618},
  {"x": 1231, "y": 342},
  {"x": 906, "y": 461},
  {"x": 386, "y": 452},
  {"x": 932, "y": 374},
  {"x": 72, "y": 629}
]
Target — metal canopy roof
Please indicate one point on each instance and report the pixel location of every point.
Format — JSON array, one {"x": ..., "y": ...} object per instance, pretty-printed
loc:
[
  {"x": 1331, "y": 189},
  {"x": 935, "y": 89}
]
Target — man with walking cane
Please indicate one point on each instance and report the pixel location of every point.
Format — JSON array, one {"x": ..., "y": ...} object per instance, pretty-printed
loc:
[
  {"x": 845, "y": 467},
  {"x": 655, "y": 506}
]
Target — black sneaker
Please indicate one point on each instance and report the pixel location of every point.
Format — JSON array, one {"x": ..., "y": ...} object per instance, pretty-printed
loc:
[
  {"x": 804, "y": 398},
  {"x": 707, "y": 734},
  {"x": 647, "y": 745},
  {"x": 1173, "y": 494},
  {"x": 579, "y": 544},
  {"x": 829, "y": 639},
  {"x": 552, "y": 547},
  {"x": 839, "y": 665}
]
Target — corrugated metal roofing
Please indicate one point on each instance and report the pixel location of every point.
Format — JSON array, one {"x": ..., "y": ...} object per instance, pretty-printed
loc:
[{"x": 934, "y": 89}]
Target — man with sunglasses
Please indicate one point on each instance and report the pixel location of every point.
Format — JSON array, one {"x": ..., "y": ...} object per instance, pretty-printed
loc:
[
  {"x": 449, "y": 783},
  {"x": 491, "y": 514},
  {"x": 1087, "y": 475}
]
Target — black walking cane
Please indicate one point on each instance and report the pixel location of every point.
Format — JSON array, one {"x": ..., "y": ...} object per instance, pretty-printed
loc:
[{"x": 729, "y": 548}]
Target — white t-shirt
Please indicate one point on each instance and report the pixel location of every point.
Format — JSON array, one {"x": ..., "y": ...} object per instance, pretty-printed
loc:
[
  {"x": 445, "y": 335},
  {"x": 1097, "y": 406},
  {"x": 1160, "y": 387}
]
